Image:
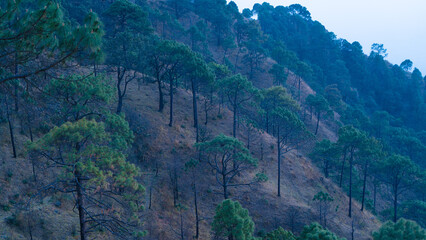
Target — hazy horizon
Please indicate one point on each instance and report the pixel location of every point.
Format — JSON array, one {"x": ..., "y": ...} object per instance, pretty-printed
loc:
[{"x": 396, "y": 24}]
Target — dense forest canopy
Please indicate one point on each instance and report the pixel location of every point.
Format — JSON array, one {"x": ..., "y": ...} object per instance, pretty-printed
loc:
[{"x": 263, "y": 116}]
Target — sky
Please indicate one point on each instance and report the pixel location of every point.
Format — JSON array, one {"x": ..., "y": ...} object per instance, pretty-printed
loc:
[{"x": 398, "y": 24}]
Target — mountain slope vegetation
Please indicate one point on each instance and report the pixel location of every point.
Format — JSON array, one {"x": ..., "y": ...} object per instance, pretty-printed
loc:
[{"x": 190, "y": 120}]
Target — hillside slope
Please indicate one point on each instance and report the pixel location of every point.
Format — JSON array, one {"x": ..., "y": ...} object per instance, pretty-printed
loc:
[
  {"x": 161, "y": 152},
  {"x": 300, "y": 179}
]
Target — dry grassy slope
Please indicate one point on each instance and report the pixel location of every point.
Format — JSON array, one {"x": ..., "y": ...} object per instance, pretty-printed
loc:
[
  {"x": 300, "y": 179},
  {"x": 53, "y": 217}
]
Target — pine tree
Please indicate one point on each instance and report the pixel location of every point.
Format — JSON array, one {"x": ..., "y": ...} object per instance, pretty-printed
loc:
[
  {"x": 168, "y": 63},
  {"x": 316, "y": 232},
  {"x": 199, "y": 74},
  {"x": 238, "y": 90},
  {"x": 228, "y": 157},
  {"x": 400, "y": 173},
  {"x": 323, "y": 200},
  {"x": 279, "y": 74},
  {"x": 41, "y": 32},
  {"x": 125, "y": 43},
  {"x": 368, "y": 154},
  {"x": 92, "y": 166},
  {"x": 291, "y": 133},
  {"x": 320, "y": 105},
  {"x": 232, "y": 221},
  {"x": 401, "y": 230},
  {"x": 280, "y": 234},
  {"x": 273, "y": 98},
  {"x": 327, "y": 154},
  {"x": 79, "y": 96},
  {"x": 351, "y": 141}
]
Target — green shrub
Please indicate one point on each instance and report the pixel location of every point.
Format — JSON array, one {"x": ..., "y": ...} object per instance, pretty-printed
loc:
[{"x": 401, "y": 230}]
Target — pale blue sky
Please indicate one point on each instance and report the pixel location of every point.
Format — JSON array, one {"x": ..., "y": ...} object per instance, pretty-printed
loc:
[{"x": 398, "y": 24}]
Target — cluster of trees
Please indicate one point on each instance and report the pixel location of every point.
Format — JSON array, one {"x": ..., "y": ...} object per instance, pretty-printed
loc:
[
  {"x": 67, "y": 110},
  {"x": 82, "y": 140},
  {"x": 369, "y": 85},
  {"x": 369, "y": 166},
  {"x": 383, "y": 101},
  {"x": 78, "y": 147},
  {"x": 232, "y": 221},
  {"x": 369, "y": 82}
]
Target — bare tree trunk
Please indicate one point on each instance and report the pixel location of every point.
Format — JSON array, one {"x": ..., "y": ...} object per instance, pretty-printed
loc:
[
  {"x": 171, "y": 101},
  {"x": 120, "y": 77},
  {"x": 224, "y": 184},
  {"x": 30, "y": 129},
  {"x": 350, "y": 182},
  {"x": 234, "y": 126},
  {"x": 95, "y": 69},
  {"x": 182, "y": 237},
  {"x": 16, "y": 84},
  {"x": 12, "y": 136},
  {"x": 161, "y": 94},
  {"x": 119, "y": 103},
  {"x": 343, "y": 168},
  {"x": 150, "y": 195},
  {"x": 194, "y": 107},
  {"x": 197, "y": 220},
  {"x": 364, "y": 184},
  {"x": 318, "y": 120},
  {"x": 248, "y": 137},
  {"x": 80, "y": 205},
  {"x": 206, "y": 111},
  {"x": 16, "y": 97}
]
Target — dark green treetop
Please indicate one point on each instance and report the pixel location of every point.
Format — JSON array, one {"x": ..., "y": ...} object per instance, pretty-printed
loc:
[
  {"x": 238, "y": 89},
  {"x": 233, "y": 221},
  {"x": 41, "y": 31},
  {"x": 80, "y": 96},
  {"x": 316, "y": 232},
  {"x": 327, "y": 153},
  {"x": 280, "y": 234},
  {"x": 104, "y": 183},
  {"x": 401, "y": 230},
  {"x": 229, "y": 158}
]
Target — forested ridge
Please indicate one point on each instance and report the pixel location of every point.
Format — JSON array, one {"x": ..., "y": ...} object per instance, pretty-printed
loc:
[{"x": 193, "y": 119}]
